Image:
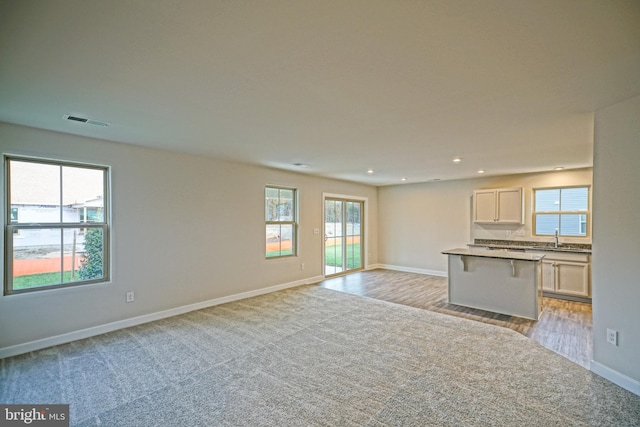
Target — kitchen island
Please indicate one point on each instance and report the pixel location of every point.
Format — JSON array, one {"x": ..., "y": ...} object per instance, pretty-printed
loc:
[{"x": 506, "y": 282}]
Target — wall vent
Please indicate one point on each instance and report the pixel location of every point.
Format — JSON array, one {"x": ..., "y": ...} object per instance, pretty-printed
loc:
[{"x": 85, "y": 120}]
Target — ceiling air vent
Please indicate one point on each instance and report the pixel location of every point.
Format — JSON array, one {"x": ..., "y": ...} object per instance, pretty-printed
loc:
[{"x": 85, "y": 120}]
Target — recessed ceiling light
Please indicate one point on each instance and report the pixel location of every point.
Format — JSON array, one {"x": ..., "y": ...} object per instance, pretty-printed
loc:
[
  {"x": 559, "y": 168},
  {"x": 301, "y": 165},
  {"x": 434, "y": 179},
  {"x": 480, "y": 170},
  {"x": 370, "y": 171},
  {"x": 457, "y": 159},
  {"x": 403, "y": 179}
]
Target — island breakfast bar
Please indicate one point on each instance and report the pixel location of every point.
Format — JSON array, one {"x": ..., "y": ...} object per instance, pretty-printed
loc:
[{"x": 505, "y": 282}]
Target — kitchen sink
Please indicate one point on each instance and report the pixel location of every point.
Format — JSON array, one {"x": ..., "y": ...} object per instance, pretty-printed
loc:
[{"x": 508, "y": 249}]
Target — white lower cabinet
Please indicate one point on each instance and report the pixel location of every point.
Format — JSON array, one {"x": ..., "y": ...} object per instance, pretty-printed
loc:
[
  {"x": 548, "y": 276},
  {"x": 572, "y": 278},
  {"x": 566, "y": 276}
]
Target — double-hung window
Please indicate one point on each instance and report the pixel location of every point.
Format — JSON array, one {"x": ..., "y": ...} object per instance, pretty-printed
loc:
[
  {"x": 280, "y": 208},
  {"x": 57, "y": 224},
  {"x": 564, "y": 209}
]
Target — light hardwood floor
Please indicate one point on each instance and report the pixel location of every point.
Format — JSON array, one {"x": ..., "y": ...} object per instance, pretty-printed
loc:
[{"x": 564, "y": 326}]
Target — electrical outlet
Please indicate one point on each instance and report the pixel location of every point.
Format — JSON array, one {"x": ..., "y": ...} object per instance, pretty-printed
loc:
[
  {"x": 302, "y": 266},
  {"x": 612, "y": 336},
  {"x": 131, "y": 297}
]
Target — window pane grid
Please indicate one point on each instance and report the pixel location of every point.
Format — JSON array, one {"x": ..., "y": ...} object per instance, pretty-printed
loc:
[
  {"x": 561, "y": 209},
  {"x": 58, "y": 222},
  {"x": 280, "y": 222}
]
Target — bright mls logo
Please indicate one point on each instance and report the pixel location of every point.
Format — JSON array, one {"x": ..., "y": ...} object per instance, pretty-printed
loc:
[{"x": 34, "y": 415}]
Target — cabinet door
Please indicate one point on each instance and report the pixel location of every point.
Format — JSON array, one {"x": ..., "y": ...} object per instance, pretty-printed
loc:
[
  {"x": 572, "y": 278},
  {"x": 548, "y": 276},
  {"x": 484, "y": 206},
  {"x": 510, "y": 205}
]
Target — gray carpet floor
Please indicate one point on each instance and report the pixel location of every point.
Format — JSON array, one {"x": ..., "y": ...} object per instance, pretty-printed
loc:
[{"x": 311, "y": 356}]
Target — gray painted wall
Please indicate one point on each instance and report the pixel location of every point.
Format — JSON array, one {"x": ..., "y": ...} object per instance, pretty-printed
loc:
[
  {"x": 186, "y": 229},
  {"x": 616, "y": 238}
]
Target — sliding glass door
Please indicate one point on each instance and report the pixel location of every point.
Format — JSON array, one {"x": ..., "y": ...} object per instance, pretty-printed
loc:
[{"x": 343, "y": 236}]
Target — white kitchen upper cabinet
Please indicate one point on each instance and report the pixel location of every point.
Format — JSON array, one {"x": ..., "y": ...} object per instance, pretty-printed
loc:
[
  {"x": 499, "y": 205},
  {"x": 484, "y": 206}
]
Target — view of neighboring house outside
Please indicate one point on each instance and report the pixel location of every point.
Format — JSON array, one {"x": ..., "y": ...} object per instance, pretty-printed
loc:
[
  {"x": 564, "y": 210},
  {"x": 78, "y": 212}
]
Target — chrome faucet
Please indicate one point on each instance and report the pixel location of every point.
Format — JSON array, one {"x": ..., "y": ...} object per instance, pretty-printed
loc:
[{"x": 556, "y": 243}]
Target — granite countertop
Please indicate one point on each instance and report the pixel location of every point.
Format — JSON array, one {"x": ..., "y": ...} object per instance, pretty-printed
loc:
[
  {"x": 485, "y": 253},
  {"x": 538, "y": 246}
]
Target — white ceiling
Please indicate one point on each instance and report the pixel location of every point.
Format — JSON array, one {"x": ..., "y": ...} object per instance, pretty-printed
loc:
[{"x": 400, "y": 86}]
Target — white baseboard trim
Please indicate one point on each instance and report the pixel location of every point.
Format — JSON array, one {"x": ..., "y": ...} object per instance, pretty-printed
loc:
[
  {"x": 616, "y": 377},
  {"x": 126, "y": 323},
  {"x": 413, "y": 270}
]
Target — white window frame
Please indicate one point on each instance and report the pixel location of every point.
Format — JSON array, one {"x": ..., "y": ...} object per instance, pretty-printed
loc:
[
  {"x": 293, "y": 222},
  {"x": 11, "y": 228},
  {"x": 561, "y": 213}
]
